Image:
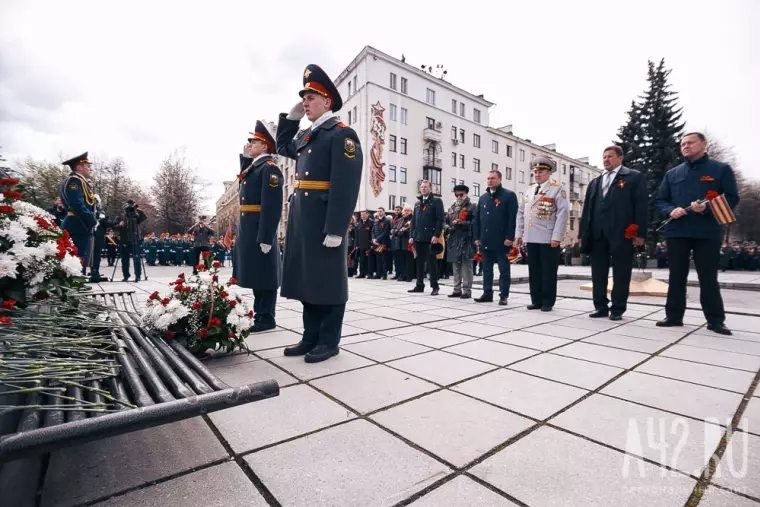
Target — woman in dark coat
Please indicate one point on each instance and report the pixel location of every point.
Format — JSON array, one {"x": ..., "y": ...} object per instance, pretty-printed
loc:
[{"x": 400, "y": 244}]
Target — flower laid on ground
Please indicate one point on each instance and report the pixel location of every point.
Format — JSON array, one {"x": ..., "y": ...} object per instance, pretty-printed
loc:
[
  {"x": 37, "y": 259},
  {"x": 202, "y": 312}
]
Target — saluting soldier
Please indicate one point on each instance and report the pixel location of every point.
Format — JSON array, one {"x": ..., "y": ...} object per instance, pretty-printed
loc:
[
  {"x": 541, "y": 223},
  {"x": 258, "y": 264},
  {"x": 79, "y": 200},
  {"x": 328, "y": 175}
]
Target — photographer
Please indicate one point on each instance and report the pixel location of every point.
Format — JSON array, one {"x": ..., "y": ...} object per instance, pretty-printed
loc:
[
  {"x": 201, "y": 241},
  {"x": 127, "y": 226}
]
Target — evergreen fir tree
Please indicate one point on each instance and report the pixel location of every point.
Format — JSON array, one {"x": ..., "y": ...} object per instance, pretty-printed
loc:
[{"x": 631, "y": 137}]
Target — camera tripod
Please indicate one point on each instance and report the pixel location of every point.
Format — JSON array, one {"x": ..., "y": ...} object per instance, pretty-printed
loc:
[{"x": 134, "y": 254}]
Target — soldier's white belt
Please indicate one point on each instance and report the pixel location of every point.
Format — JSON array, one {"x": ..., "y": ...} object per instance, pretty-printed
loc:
[
  {"x": 312, "y": 185},
  {"x": 250, "y": 208}
]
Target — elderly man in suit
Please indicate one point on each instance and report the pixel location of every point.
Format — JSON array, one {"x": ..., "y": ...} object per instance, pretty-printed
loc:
[{"x": 616, "y": 202}]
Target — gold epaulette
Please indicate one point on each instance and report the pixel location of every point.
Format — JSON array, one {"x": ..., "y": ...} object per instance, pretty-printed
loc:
[{"x": 555, "y": 184}]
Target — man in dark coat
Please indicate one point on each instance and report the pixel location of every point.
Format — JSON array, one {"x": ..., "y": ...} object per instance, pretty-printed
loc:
[
  {"x": 495, "y": 224},
  {"x": 460, "y": 246},
  {"x": 697, "y": 230},
  {"x": 258, "y": 263},
  {"x": 615, "y": 207},
  {"x": 78, "y": 198},
  {"x": 329, "y": 162},
  {"x": 363, "y": 241},
  {"x": 427, "y": 226},
  {"x": 380, "y": 241}
]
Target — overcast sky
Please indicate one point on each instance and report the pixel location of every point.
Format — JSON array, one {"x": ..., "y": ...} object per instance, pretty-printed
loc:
[{"x": 140, "y": 79}]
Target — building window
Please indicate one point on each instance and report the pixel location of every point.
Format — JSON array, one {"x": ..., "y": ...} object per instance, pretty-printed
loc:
[
  {"x": 404, "y": 88},
  {"x": 392, "y": 173},
  {"x": 350, "y": 118},
  {"x": 454, "y": 106},
  {"x": 476, "y": 140},
  {"x": 402, "y": 201},
  {"x": 476, "y": 165},
  {"x": 356, "y": 87},
  {"x": 564, "y": 168},
  {"x": 509, "y": 151},
  {"x": 404, "y": 114},
  {"x": 495, "y": 146},
  {"x": 476, "y": 115},
  {"x": 430, "y": 99},
  {"x": 461, "y": 161},
  {"x": 392, "y": 143},
  {"x": 392, "y": 112},
  {"x": 522, "y": 176},
  {"x": 494, "y": 167},
  {"x": 508, "y": 173},
  {"x": 403, "y": 146},
  {"x": 461, "y": 135},
  {"x": 461, "y": 109},
  {"x": 349, "y": 88},
  {"x": 476, "y": 189},
  {"x": 356, "y": 115},
  {"x": 393, "y": 81},
  {"x": 532, "y": 156},
  {"x": 453, "y": 184},
  {"x": 391, "y": 201},
  {"x": 431, "y": 123},
  {"x": 522, "y": 155},
  {"x": 454, "y": 133},
  {"x": 434, "y": 177},
  {"x": 402, "y": 174},
  {"x": 453, "y": 160}
]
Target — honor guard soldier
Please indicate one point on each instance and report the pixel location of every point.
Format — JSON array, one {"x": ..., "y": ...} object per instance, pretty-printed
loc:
[
  {"x": 328, "y": 175},
  {"x": 79, "y": 200},
  {"x": 541, "y": 223},
  {"x": 258, "y": 264}
]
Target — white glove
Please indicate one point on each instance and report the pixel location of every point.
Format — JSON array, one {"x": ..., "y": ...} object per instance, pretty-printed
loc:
[
  {"x": 331, "y": 241},
  {"x": 297, "y": 112},
  {"x": 265, "y": 248}
]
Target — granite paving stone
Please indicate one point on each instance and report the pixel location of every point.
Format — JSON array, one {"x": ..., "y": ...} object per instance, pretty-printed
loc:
[
  {"x": 441, "y": 367},
  {"x": 676, "y": 396},
  {"x": 604, "y": 355},
  {"x": 530, "y": 340},
  {"x": 473, "y": 329},
  {"x": 751, "y": 417},
  {"x": 584, "y": 322},
  {"x": 102, "y": 468},
  {"x": 500, "y": 354},
  {"x": 676, "y": 441},
  {"x": 252, "y": 371},
  {"x": 297, "y": 410},
  {"x": 568, "y": 370},
  {"x": 386, "y": 349},
  {"x": 454, "y": 427},
  {"x": 668, "y": 335},
  {"x": 435, "y": 338},
  {"x": 562, "y": 331},
  {"x": 525, "y": 394},
  {"x": 279, "y": 338},
  {"x": 359, "y": 338},
  {"x": 716, "y": 497},
  {"x": 224, "y": 485},
  {"x": 739, "y": 469},
  {"x": 588, "y": 474},
  {"x": 704, "y": 374},
  {"x": 462, "y": 492},
  {"x": 417, "y": 318},
  {"x": 736, "y": 334},
  {"x": 369, "y": 389},
  {"x": 367, "y": 466},
  {"x": 297, "y": 367},
  {"x": 717, "y": 342},
  {"x": 377, "y": 324},
  {"x": 611, "y": 339}
]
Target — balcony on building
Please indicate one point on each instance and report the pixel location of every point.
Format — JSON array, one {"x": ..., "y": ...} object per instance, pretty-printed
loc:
[{"x": 431, "y": 134}]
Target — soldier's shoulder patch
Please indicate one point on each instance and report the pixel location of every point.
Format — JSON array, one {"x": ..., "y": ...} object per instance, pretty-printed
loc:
[
  {"x": 349, "y": 145},
  {"x": 342, "y": 125},
  {"x": 274, "y": 180},
  {"x": 73, "y": 184},
  {"x": 271, "y": 163}
]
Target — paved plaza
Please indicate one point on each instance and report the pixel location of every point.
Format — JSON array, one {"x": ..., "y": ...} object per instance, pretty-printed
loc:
[{"x": 441, "y": 402}]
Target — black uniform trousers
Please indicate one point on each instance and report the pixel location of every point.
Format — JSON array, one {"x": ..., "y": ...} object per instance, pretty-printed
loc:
[
  {"x": 424, "y": 256},
  {"x": 622, "y": 266},
  {"x": 322, "y": 324},
  {"x": 706, "y": 258},
  {"x": 363, "y": 261},
  {"x": 399, "y": 261},
  {"x": 377, "y": 264},
  {"x": 264, "y": 302},
  {"x": 543, "y": 263}
]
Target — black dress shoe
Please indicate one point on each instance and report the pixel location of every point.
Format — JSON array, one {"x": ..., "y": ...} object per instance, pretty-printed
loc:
[
  {"x": 263, "y": 326},
  {"x": 434, "y": 292},
  {"x": 465, "y": 296},
  {"x": 666, "y": 322},
  {"x": 720, "y": 329},
  {"x": 299, "y": 349},
  {"x": 502, "y": 301},
  {"x": 599, "y": 314},
  {"x": 455, "y": 295},
  {"x": 321, "y": 353},
  {"x": 417, "y": 289},
  {"x": 534, "y": 307},
  {"x": 484, "y": 299},
  {"x": 546, "y": 308},
  {"x": 616, "y": 316}
]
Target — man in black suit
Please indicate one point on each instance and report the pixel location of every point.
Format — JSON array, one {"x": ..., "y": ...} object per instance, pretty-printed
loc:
[
  {"x": 427, "y": 224},
  {"x": 615, "y": 201}
]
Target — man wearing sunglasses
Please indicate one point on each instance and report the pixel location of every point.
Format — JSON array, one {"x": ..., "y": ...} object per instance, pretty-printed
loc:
[{"x": 460, "y": 247}]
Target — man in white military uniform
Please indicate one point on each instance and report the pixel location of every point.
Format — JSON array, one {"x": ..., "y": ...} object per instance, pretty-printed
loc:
[{"x": 541, "y": 223}]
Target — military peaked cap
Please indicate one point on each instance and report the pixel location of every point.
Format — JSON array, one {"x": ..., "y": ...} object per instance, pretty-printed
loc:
[
  {"x": 79, "y": 159},
  {"x": 260, "y": 133},
  {"x": 315, "y": 80},
  {"x": 542, "y": 162}
]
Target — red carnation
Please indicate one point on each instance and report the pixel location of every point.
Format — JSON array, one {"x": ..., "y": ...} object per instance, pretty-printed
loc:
[
  {"x": 200, "y": 267},
  {"x": 214, "y": 322},
  {"x": 250, "y": 314},
  {"x": 8, "y": 182},
  {"x": 233, "y": 304},
  {"x": 217, "y": 264},
  {"x": 224, "y": 293},
  {"x": 165, "y": 301},
  {"x": 181, "y": 276},
  {"x": 712, "y": 194},
  {"x": 7, "y": 209},
  {"x": 169, "y": 334},
  {"x": 631, "y": 231},
  {"x": 203, "y": 333},
  {"x": 186, "y": 289},
  {"x": 215, "y": 278},
  {"x": 154, "y": 295},
  {"x": 12, "y": 194},
  {"x": 233, "y": 281},
  {"x": 207, "y": 254},
  {"x": 8, "y": 304},
  {"x": 5, "y": 320},
  {"x": 197, "y": 305}
]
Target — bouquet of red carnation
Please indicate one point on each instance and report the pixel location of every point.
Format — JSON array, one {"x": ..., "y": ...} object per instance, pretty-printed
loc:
[
  {"x": 711, "y": 195},
  {"x": 631, "y": 231}
]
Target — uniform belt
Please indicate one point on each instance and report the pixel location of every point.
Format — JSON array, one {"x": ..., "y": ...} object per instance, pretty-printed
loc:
[
  {"x": 312, "y": 185},
  {"x": 250, "y": 208},
  {"x": 70, "y": 214}
]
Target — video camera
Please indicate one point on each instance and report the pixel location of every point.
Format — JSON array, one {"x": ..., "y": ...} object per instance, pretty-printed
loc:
[{"x": 130, "y": 208}]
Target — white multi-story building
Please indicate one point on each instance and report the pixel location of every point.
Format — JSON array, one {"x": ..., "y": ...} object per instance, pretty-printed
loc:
[{"x": 413, "y": 125}]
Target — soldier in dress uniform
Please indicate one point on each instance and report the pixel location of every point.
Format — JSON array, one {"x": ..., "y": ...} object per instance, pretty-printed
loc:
[
  {"x": 541, "y": 223},
  {"x": 79, "y": 200},
  {"x": 258, "y": 263},
  {"x": 328, "y": 175}
]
